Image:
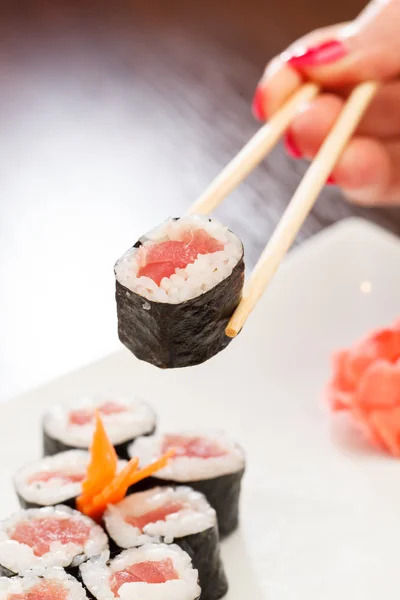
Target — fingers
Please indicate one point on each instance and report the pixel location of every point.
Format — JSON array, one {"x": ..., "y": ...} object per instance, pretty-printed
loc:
[
  {"x": 382, "y": 118},
  {"x": 336, "y": 57},
  {"x": 279, "y": 83},
  {"x": 369, "y": 169},
  {"x": 364, "y": 171},
  {"x": 312, "y": 125},
  {"x": 314, "y": 121},
  {"x": 280, "y": 80},
  {"x": 367, "y": 48},
  {"x": 369, "y": 172}
]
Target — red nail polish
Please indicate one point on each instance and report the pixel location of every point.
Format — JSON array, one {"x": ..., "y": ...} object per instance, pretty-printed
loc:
[
  {"x": 291, "y": 147},
  {"x": 258, "y": 105},
  {"x": 331, "y": 180},
  {"x": 322, "y": 54}
]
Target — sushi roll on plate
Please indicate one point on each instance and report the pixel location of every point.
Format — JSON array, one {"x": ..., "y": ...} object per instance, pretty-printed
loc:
[
  {"x": 51, "y": 583},
  {"x": 71, "y": 426},
  {"x": 152, "y": 572},
  {"x": 207, "y": 462},
  {"x": 48, "y": 537},
  {"x": 53, "y": 480},
  {"x": 180, "y": 515},
  {"x": 176, "y": 290}
]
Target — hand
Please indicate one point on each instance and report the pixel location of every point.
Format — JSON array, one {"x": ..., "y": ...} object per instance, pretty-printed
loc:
[{"x": 338, "y": 58}]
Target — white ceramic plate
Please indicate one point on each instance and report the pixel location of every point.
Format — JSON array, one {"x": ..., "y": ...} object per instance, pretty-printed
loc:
[{"x": 320, "y": 510}]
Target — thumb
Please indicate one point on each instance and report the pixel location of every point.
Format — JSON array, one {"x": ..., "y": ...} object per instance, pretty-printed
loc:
[{"x": 367, "y": 48}]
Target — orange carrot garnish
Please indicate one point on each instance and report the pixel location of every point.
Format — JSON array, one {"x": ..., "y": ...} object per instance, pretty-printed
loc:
[
  {"x": 116, "y": 490},
  {"x": 102, "y": 466},
  {"x": 113, "y": 492}
]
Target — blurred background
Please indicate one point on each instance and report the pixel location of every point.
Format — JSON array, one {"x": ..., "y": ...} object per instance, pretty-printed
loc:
[{"x": 115, "y": 114}]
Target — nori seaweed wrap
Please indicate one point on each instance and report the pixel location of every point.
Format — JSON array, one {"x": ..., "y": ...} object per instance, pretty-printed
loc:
[
  {"x": 179, "y": 515},
  {"x": 176, "y": 290},
  {"x": 209, "y": 463},
  {"x": 223, "y": 493}
]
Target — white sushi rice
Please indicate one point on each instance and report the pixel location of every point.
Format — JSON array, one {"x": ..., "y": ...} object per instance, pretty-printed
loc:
[
  {"x": 195, "y": 516},
  {"x": 96, "y": 575},
  {"x": 186, "y": 468},
  {"x": 19, "y": 557},
  {"x": 197, "y": 278},
  {"x": 23, "y": 585},
  {"x": 54, "y": 491},
  {"x": 138, "y": 419}
]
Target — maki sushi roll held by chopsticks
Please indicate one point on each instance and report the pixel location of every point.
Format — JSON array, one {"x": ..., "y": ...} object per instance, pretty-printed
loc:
[
  {"x": 172, "y": 514},
  {"x": 208, "y": 462},
  {"x": 176, "y": 290}
]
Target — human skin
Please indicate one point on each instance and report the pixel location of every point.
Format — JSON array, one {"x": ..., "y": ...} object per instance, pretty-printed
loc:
[{"x": 338, "y": 58}]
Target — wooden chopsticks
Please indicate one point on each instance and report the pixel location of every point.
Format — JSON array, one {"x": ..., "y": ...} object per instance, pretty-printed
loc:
[
  {"x": 253, "y": 153},
  {"x": 305, "y": 196}
]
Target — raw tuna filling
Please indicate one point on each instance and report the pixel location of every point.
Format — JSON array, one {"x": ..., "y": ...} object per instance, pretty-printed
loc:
[
  {"x": 47, "y": 476},
  {"x": 158, "y": 571},
  {"x": 83, "y": 416},
  {"x": 193, "y": 447},
  {"x": 39, "y": 534},
  {"x": 45, "y": 590},
  {"x": 157, "y": 261},
  {"x": 158, "y": 514}
]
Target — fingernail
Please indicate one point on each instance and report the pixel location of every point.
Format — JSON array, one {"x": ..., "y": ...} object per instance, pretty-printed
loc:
[
  {"x": 291, "y": 147},
  {"x": 331, "y": 180},
  {"x": 258, "y": 105},
  {"x": 322, "y": 54}
]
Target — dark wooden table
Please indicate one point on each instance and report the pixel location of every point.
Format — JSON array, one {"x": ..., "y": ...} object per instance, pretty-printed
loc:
[{"x": 115, "y": 114}]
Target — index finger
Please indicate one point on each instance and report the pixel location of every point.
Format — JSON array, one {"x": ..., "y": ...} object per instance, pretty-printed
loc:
[{"x": 280, "y": 80}]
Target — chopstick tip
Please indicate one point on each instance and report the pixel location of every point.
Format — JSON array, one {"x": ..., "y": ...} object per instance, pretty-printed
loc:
[{"x": 231, "y": 332}]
